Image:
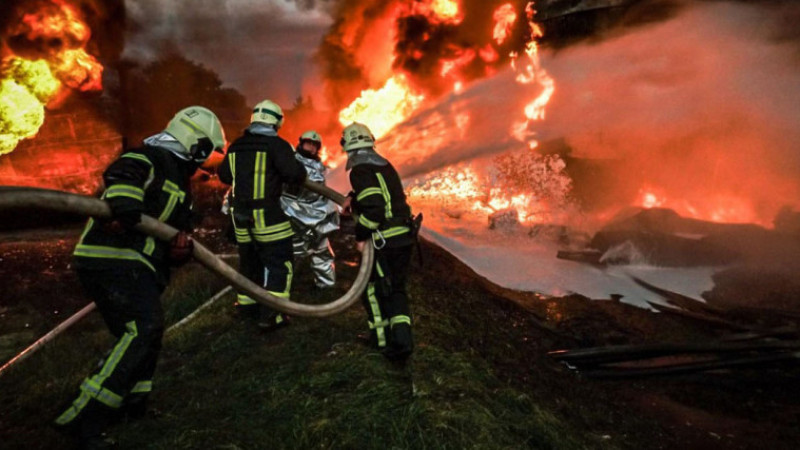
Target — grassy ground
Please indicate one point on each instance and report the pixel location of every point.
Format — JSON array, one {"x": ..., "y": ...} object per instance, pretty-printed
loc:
[
  {"x": 479, "y": 378},
  {"x": 224, "y": 384}
]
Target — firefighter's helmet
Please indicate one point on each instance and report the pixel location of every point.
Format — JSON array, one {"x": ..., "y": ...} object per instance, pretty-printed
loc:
[
  {"x": 199, "y": 131},
  {"x": 268, "y": 112},
  {"x": 356, "y": 136},
  {"x": 312, "y": 136}
]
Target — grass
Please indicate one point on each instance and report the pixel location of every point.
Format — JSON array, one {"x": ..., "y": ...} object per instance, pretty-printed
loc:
[{"x": 223, "y": 384}]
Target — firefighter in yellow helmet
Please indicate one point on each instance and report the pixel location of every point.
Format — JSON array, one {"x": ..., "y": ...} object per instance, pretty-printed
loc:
[
  {"x": 257, "y": 165},
  {"x": 313, "y": 216},
  {"x": 379, "y": 205},
  {"x": 125, "y": 271}
]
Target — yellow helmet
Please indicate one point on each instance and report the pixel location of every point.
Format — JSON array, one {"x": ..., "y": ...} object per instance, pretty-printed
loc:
[
  {"x": 268, "y": 112},
  {"x": 356, "y": 136},
  {"x": 312, "y": 136},
  {"x": 199, "y": 131}
]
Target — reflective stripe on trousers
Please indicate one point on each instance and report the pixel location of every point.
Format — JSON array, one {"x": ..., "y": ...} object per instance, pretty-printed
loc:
[{"x": 92, "y": 388}]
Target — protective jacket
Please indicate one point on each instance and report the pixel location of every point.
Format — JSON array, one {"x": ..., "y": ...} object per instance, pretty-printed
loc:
[
  {"x": 257, "y": 165},
  {"x": 313, "y": 218},
  {"x": 380, "y": 204},
  {"x": 146, "y": 180},
  {"x": 382, "y": 211},
  {"x": 308, "y": 208}
]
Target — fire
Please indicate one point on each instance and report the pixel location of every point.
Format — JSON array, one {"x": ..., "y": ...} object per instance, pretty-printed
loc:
[
  {"x": 714, "y": 208},
  {"x": 79, "y": 70},
  {"x": 461, "y": 60},
  {"x": 28, "y": 85},
  {"x": 447, "y": 10},
  {"x": 535, "y": 187},
  {"x": 489, "y": 54},
  {"x": 24, "y": 90},
  {"x": 329, "y": 157},
  {"x": 649, "y": 199},
  {"x": 383, "y": 108},
  {"x": 504, "y": 18},
  {"x": 64, "y": 22},
  {"x": 532, "y": 72}
]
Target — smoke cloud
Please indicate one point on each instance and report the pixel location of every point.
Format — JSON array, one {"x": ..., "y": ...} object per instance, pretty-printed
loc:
[{"x": 262, "y": 48}]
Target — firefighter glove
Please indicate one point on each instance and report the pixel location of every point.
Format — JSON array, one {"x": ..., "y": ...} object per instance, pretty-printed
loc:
[{"x": 180, "y": 248}]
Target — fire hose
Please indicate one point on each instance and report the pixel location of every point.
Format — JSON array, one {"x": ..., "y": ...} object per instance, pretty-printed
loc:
[{"x": 12, "y": 197}]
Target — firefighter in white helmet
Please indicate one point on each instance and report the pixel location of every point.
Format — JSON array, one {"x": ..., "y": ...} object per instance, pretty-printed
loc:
[
  {"x": 125, "y": 271},
  {"x": 379, "y": 205},
  {"x": 313, "y": 216},
  {"x": 257, "y": 165}
]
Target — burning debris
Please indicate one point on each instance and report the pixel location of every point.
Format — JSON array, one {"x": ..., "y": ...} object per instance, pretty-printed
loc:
[
  {"x": 661, "y": 237},
  {"x": 533, "y": 186}
]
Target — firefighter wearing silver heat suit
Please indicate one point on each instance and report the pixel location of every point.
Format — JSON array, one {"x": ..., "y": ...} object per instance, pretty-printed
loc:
[{"x": 313, "y": 216}]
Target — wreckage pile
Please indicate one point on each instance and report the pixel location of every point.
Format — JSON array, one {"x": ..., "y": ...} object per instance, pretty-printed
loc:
[
  {"x": 760, "y": 330},
  {"x": 756, "y": 338}
]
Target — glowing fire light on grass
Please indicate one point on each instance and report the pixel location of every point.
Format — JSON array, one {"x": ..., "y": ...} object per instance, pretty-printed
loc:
[{"x": 27, "y": 86}]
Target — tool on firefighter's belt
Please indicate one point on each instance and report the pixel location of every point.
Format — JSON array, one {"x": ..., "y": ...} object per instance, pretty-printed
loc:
[{"x": 382, "y": 241}]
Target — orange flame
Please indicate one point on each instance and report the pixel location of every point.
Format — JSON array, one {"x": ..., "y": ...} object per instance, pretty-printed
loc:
[
  {"x": 504, "y": 18},
  {"x": 447, "y": 10},
  {"x": 535, "y": 187},
  {"x": 532, "y": 72},
  {"x": 383, "y": 108},
  {"x": 461, "y": 60},
  {"x": 27, "y": 86},
  {"x": 715, "y": 208}
]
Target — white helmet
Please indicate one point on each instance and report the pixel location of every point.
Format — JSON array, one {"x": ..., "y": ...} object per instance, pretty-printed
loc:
[
  {"x": 199, "y": 131},
  {"x": 268, "y": 112},
  {"x": 312, "y": 136},
  {"x": 356, "y": 136}
]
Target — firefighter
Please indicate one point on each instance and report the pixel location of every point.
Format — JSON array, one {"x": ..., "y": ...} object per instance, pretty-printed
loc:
[
  {"x": 381, "y": 211},
  {"x": 313, "y": 216},
  {"x": 257, "y": 165},
  {"x": 125, "y": 271}
]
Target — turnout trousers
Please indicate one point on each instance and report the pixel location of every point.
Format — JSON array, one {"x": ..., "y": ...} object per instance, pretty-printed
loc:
[
  {"x": 267, "y": 264},
  {"x": 386, "y": 302},
  {"x": 318, "y": 249},
  {"x": 129, "y": 301}
]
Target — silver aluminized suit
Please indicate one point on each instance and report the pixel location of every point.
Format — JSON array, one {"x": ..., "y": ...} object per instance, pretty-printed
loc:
[{"x": 313, "y": 218}]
